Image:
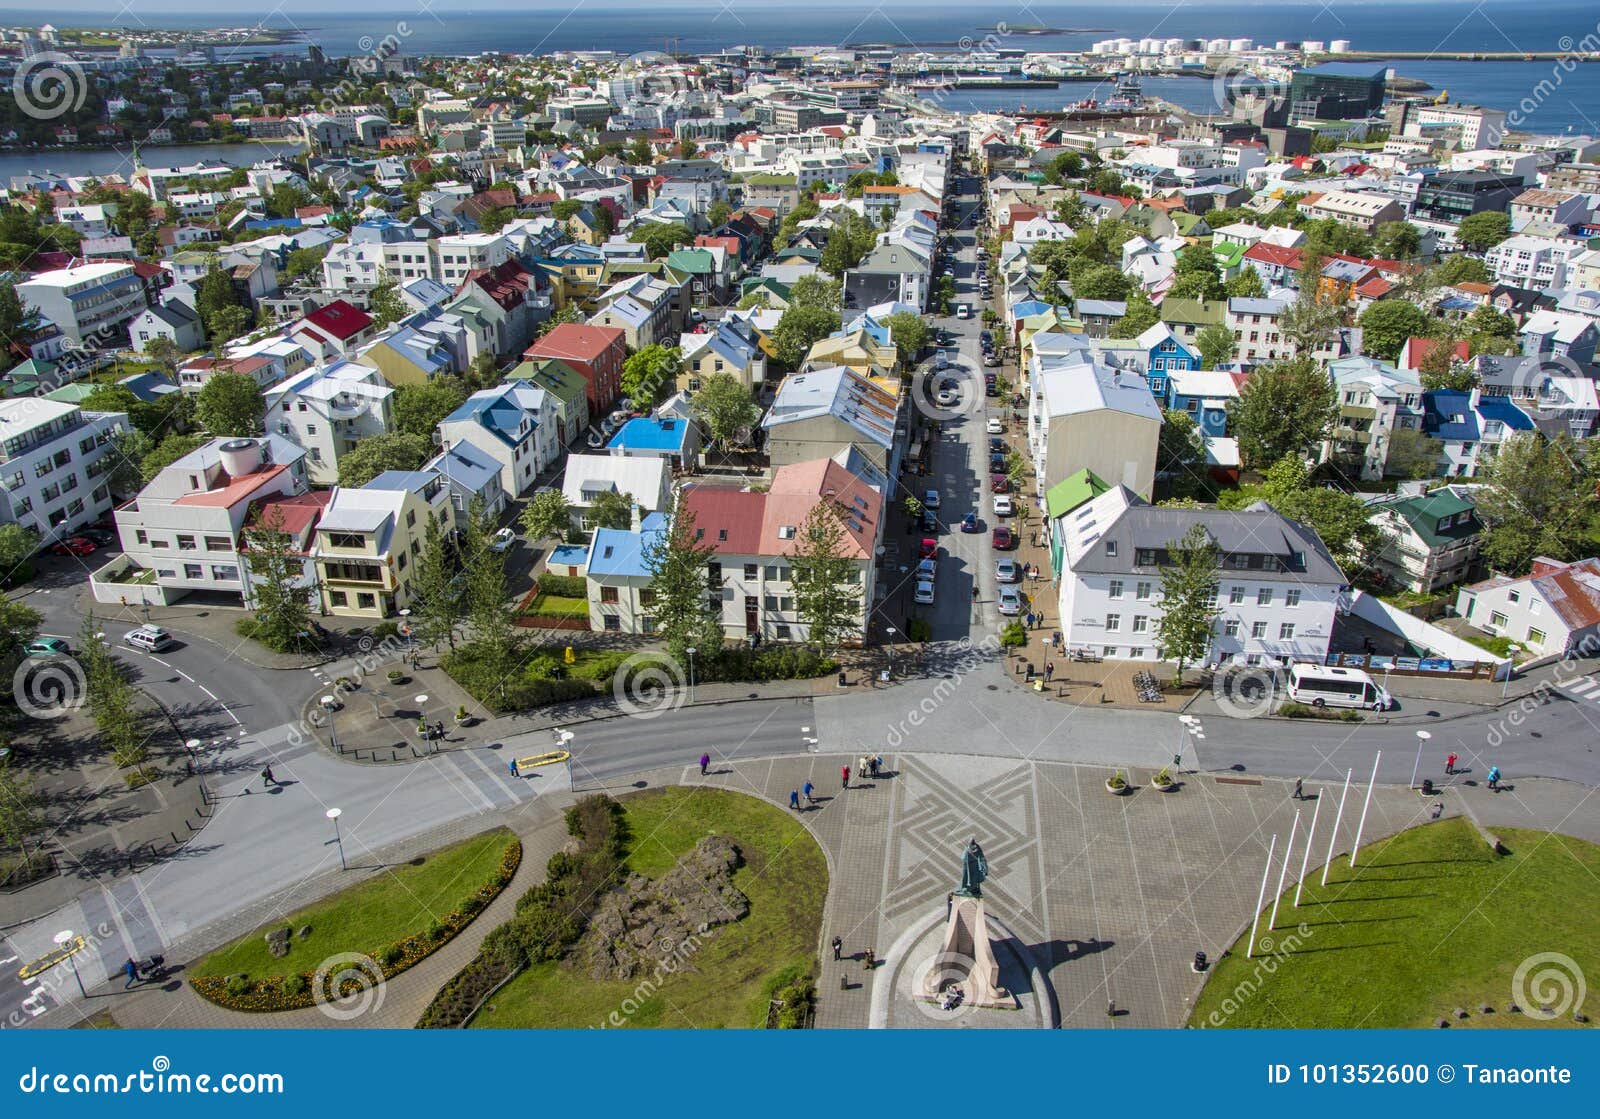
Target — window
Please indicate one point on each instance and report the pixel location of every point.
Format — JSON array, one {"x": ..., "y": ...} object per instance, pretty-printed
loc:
[
  {"x": 751, "y": 571},
  {"x": 402, "y": 562},
  {"x": 611, "y": 622},
  {"x": 1113, "y": 621},
  {"x": 1514, "y": 596},
  {"x": 1264, "y": 596},
  {"x": 647, "y": 597},
  {"x": 1286, "y": 631},
  {"x": 139, "y": 535},
  {"x": 1111, "y": 547},
  {"x": 218, "y": 544},
  {"x": 1230, "y": 628},
  {"x": 338, "y": 598},
  {"x": 1114, "y": 588},
  {"x": 608, "y": 594},
  {"x": 185, "y": 543},
  {"x": 192, "y": 571},
  {"x": 1141, "y": 624},
  {"x": 1497, "y": 620},
  {"x": 1141, "y": 590},
  {"x": 411, "y": 518},
  {"x": 1535, "y": 637},
  {"x": 772, "y": 572},
  {"x": 347, "y": 540},
  {"x": 1235, "y": 595},
  {"x": 1258, "y": 630}
]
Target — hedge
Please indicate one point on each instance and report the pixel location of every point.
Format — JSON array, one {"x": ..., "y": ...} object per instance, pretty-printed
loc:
[
  {"x": 296, "y": 991},
  {"x": 550, "y": 917},
  {"x": 563, "y": 586}
]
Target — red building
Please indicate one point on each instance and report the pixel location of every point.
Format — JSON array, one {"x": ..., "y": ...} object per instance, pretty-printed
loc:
[{"x": 595, "y": 351}]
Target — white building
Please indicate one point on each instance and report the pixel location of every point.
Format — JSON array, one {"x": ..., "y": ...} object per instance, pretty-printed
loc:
[
  {"x": 515, "y": 422},
  {"x": 1085, "y": 414},
  {"x": 53, "y": 458},
  {"x": 1554, "y": 609},
  {"x": 88, "y": 300},
  {"x": 326, "y": 411}
]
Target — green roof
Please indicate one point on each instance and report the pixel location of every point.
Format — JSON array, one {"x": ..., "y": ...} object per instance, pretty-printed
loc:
[
  {"x": 1197, "y": 311},
  {"x": 697, "y": 262},
  {"x": 556, "y": 377},
  {"x": 1071, "y": 492},
  {"x": 1228, "y": 255},
  {"x": 765, "y": 179},
  {"x": 72, "y": 394},
  {"x": 1425, "y": 513}
]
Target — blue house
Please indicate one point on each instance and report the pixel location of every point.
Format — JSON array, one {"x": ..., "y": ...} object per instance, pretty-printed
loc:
[
  {"x": 1470, "y": 428},
  {"x": 1203, "y": 394},
  {"x": 617, "y": 570}
]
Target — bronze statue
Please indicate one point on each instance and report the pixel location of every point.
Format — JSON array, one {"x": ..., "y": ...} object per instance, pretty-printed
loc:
[{"x": 974, "y": 869}]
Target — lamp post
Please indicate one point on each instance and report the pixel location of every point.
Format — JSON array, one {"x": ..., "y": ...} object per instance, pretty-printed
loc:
[
  {"x": 62, "y": 939},
  {"x": 334, "y": 814},
  {"x": 691, "y": 651},
  {"x": 328, "y": 703},
  {"x": 1422, "y": 741},
  {"x": 410, "y": 640},
  {"x": 1511, "y": 666},
  {"x": 890, "y": 630}
]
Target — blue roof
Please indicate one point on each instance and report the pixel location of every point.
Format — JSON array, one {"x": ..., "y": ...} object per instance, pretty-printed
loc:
[
  {"x": 615, "y": 551},
  {"x": 1501, "y": 408},
  {"x": 570, "y": 555},
  {"x": 1029, "y": 307},
  {"x": 465, "y": 464},
  {"x": 651, "y": 433},
  {"x": 274, "y": 223},
  {"x": 413, "y": 480},
  {"x": 494, "y": 411}
]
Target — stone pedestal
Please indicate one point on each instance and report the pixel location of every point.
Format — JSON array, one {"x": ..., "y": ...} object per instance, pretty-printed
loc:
[{"x": 966, "y": 959}]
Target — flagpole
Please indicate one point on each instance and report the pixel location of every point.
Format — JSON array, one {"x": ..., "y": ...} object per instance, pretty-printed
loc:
[
  {"x": 1356, "y": 850},
  {"x": 1283, "y": 871},
  {"x": 1260, "y": 898},
  {"x": 1305, "y": 859},
  {"x": 1337, "y": 818}
]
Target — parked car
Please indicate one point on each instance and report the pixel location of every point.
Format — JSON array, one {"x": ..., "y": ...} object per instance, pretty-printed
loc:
[
  {"x": 929, "y": 549},
  {"x": 74, "y": 546},
  {"x": 997, "y": 446},
  {"x": 928, "y": 569},
  {"x": 1010, "y": 601},
  {"x": 991, "y": 361},
  {"x": 997, "y": 464},
  {"x": 99, "y": 535},
  {"x": 1003, "y": 506},
  {"x": 1003, "y": 540},
  {"x": 931, "y": 499},
  {"x": 48, "y": 647},
  {"x": 995, "y": 427},
  {"x": 1000, "y": 483},
  {"x": 985, "y": 338},
  {"x": 924, "y": 593},
  {"x": 152, "y": 639},
  {"x": 503, "y": 540},
  {"x": 930, "y": 521},
  {"x": 969, "y": 523},
  {"x": 1007, "y": 571}
]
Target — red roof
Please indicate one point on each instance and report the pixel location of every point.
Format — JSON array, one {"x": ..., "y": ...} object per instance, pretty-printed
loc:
[
  {"x": 725, "y": 519},
  {"x": 1571, "y": 589},
  {"x": 234, "y": 490},
  {"x": 1274, "y": 254},
  {"x": 1416, "y": 349},
  {"x": 294, "y": 513},
  {"x": 577, "y": 341},
  {"x": 506, "y": 283},
  {"x": 339, "y": 320}
]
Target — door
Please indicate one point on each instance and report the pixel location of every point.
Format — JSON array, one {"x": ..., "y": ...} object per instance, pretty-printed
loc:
[{"x": 752, "y": 615}]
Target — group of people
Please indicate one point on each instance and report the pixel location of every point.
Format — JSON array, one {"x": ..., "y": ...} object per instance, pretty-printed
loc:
[
  {"x": 865, "y": 767},
  {"x": 430, "y": 731}
]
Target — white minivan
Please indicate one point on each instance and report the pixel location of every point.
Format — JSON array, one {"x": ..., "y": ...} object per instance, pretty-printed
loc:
[{"x": 963, "y": 311}]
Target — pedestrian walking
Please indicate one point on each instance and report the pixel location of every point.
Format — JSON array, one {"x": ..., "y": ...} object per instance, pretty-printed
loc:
[
  {"x": 874, "y": 764},
  {"x": 514, "y": 772},
  {"x": 868, "y": 960},
  {"x": 794, "y": 800},
  {"x": 1450, "y": 765},
  {"x": 267, "y": 780},
  {"x": 810, "y": 791},
  {"x": 844, "y": 775},
  {"x": 131, "y": 970},
  {"x": 1438, "y": 809},
  {"x": 1494, "y": 778},
  {"x": 838, "y": 948},
  {"x": 1049, "y": 670},
  {"x": 438, "y": 730},
  {"x": 705, "y": 763},
  {"x": 1299, "y": 789},
  {"x": 1030, "y": 620}
]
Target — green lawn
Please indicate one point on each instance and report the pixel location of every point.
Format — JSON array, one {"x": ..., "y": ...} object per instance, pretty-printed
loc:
[
  {"x": 558, "y": 606},
  {"x": 728, "y": 981},
  {"x": 1429, "y": 921},
  {"x": 388, "y": 907}
]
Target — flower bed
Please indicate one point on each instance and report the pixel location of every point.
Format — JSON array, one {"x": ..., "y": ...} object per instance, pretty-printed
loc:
[{"x": 296, "y": 991}]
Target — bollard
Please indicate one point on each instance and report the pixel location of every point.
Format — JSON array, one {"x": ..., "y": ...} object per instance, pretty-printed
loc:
[{"x": 1199, "y": 964}]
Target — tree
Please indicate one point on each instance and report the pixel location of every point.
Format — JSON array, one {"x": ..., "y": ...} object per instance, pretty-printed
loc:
[
  {"x": 1440, "y": 368},
  {"x": 1197, "y": 274},
  {"x": 827, "y": 590},
  {"x": 1396, "y": 240},
  {"x": 285, "y": 199},
  {"x": 812, "y": 290},
  {"x": 129, "y": 448},
  {"x": 1215, "y": 343},
  {"x": 487, "y": 594},
  {"x": 1489, "y": 330},
  {"x": 168, "y": 451},
  {"x": 384, "y": 303},
  {"x": 1483, "y": 231},
  {"x": 214, "y": 294},
  {"x": 1411, "y": 454},
  {"x": 435, "y": 589},
  {"x": 419, "y": 408},
  {"x": 651, "y": 374},
  {"x": 660, "y": 238},
  {"x": 21, "y": 811},
  {"x": 1538, "y": 501},
  {"x": 282, "y": 609},
  {"x": 1460, "y": 270},
  {"x": 611, "y": 509},
  {"x": 850, "y": 239},
  {"x": 1067, "y": 165},
  {"x": 570, "y": 313},
  {"x": 16, "y": 321},
  {"x": 111, "y": 698},
  {"x": 799, "y": 329},
  {"x": 304, "y": 262},
  {"x": 1387, "y": 324},
  {"x": 910, "y": 333},
  {"x": 1340, "y": 519},
  {"x": 163, "y": 351},
  {"x": 495, "y": 219},
  {"x": 227, "y": 324},
  {"x": 547, "y": 515},
  {"x": 19, "y": 624},
  {"x": 567, "y": 208},
  {"x": 725, "y": 410},
  {"x": 1140, "y": 317},
  {"x": 640, "y": 153},
  {"x": 230, "y": 404},
  {"x": 1284, "y": 408},
  {"x": 677, "y": 562},
  {"x": 1246, "y": 285},
  {"x": 371, "y": 457},
  {"x": 1310, "y": 322},
  {"x": 17, "y": 545},
  {"x": 718, "y": 213},
  {"x": 1105, "y": 181},
  {"x": 1099, "y": 281},
  {"x": 1181, "y": 454},
  {"x": 1189, "y": 585}
]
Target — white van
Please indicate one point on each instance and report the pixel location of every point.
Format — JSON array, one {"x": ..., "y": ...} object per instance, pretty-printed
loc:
[
  {"x": 963, "y": 311},
  {"x": 1337, "y": 687},
  {"x": 152, "y": 639}
]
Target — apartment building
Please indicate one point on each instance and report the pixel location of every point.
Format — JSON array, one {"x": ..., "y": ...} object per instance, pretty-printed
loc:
[
  {"x": 53, "y": 462},
  {"x": 89, "y": 302},
  {"x": 327, "y": 411},
  {"x": 369, "y": 540},
  {"x": 1433, "y": 539}
]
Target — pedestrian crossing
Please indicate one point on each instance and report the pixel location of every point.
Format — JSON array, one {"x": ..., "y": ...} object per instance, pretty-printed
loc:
[{"x": 1585, "y": 689}]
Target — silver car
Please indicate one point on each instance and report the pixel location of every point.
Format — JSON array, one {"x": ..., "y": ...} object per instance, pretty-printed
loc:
[
  {"x": 1010, "y": 601},
  {"x": 1007, "y": 571}
]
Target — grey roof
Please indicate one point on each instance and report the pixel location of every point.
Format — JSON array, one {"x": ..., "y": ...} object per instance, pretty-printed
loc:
[{"x": 1257, "y": 530}]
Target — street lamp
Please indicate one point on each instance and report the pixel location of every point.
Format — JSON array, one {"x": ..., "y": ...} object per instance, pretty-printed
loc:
[
  {"x": 691, "y": 653},
  {"x": 64, "y": 938},
  {"x": 410, "y": 640},
  {"x": 1511, "y": 666},
  {"x": 328, "y": 704},
  {"x": 890, "y": 630},
  {"x": 1422, "y": 742},
  {"x": 334, "y": 814}
]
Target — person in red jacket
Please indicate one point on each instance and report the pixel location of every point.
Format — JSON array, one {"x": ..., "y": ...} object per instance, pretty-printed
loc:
[{"x": 844, "y": 775}]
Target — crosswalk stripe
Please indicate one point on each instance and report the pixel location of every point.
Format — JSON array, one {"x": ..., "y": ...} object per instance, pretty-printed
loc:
[{"x": 1583, "y": 686}]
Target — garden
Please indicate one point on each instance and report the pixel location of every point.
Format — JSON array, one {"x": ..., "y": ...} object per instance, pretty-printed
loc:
[{"x": 1431, "y": 928}]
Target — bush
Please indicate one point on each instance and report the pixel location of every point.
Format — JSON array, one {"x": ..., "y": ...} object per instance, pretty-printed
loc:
[
  {"x": 918, "y": 629},
  {"x": 777, "y": 662},
  {"x": 388, "y": 628},
  {"x": 564, "y": 586},
  {"x": 1014, "y": 636},
  {"x": 294, "y": 985},
  {"x": 239, "y": 986}
]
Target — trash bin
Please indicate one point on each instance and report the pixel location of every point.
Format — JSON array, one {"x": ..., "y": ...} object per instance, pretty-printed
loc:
[
  {"x": 1427, "y": 786},
  {"x": 842, "y": 682}
]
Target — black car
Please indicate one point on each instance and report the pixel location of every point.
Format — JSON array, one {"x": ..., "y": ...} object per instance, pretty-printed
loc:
[
  {"x": 930, "y": 523},
  {"x": 985, "y": 338},
  {"x": 997, "y": 464},
  {"x": 997, "y": 445},
  {"x": 100, "y": 536}
]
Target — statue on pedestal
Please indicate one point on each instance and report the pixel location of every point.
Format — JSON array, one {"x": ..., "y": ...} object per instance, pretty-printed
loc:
[{"x": 966, "y": 962}]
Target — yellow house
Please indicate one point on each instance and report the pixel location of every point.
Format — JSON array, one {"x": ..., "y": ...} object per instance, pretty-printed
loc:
[
  {"x": 370, "y": 538},
  {"x": 855, "y": 349}
]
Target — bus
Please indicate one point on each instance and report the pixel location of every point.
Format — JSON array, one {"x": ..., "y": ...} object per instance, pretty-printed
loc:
[{"x": 1340, "y": 687}]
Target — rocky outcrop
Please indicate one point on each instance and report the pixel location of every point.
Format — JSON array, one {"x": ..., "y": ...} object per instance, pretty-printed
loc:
[{"x": 646, "y": 926}]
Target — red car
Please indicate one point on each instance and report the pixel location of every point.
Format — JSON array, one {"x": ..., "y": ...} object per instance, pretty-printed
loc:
[
  {"x": 74, "y": 546},
  {"x": 999, "y": 483},
  {"x": 1003, "y": 539},
  {"x": 930, "y": 548}
]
